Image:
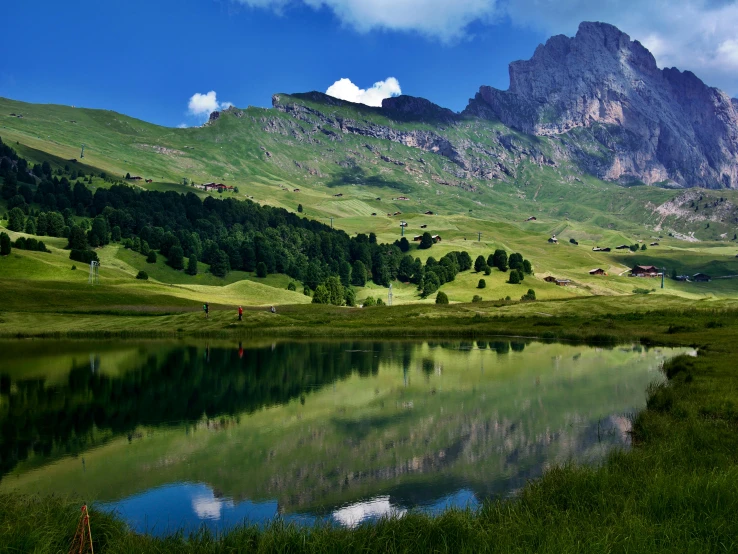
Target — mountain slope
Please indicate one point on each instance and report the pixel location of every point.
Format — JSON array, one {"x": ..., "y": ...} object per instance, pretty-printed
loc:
[{"x": 658, "y": 125}]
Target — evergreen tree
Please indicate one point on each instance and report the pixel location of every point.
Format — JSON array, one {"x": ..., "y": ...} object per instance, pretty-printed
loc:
[
  {"x": 426, "y": 241},
  {"x": 344, "y": 270},
  {"x": 358, "y": 274},
  {"x": 116, "y": 235},
  {"x": 192, "y": 265},
  {"x": 30, "y": 226},
  {"x": 77, "y": 239},
  {"x": 527, "y": 267},
  {"x": 441, "y": 298},
  {"x": 5, "y": 247},
  {"x": 176, "y": 257},
  {"x": 403, "y": 244},
  {"x": 151, "y": 257},
  {"x": 482, "y": 284},
  {"x": 261, "y": 270},
  {"x": 16, "y": 220},
  {"x": 514, "y": 278},
  {"x": 299, "y": 208},
  {"x": 480, "y": 264},
  {"x": 41, "y": 224},
  {"x": 500, "y": 260},
  {"x": 321, "y": 295},
  {"x": 349, "y": 296},
  {"x": 335, "y": 291},
  {"x": 465, "y": 261},
  {"x": 220, "y": 265}
]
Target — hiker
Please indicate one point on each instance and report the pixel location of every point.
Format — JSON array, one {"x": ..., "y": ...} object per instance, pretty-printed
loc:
[
  {"x": 206, "y": 309},
  {"x": 273, "y": 310},
  {"x": 240, "y": 313}
]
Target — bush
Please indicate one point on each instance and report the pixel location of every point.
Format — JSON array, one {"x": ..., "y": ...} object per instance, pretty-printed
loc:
[
  {"x": 642, "y": 291},
  {"x": 74, "y": 268},
  {"x": 175, "y": 257},
  {"x": 380, "y": 302},
  {"x": 426, "y": 241},
  {"x": 482, "y": 284},
  {"x": 480, "y": 264},
  {"x": 5, "y": 246},
  {"x": 142, "y": 276},
  {"x": 528, "y": 296},
  {"x": 476, "y": 298},
  {"x": 514, "y": 278},
  {"x": 488, "y": 270},
  {"x": 292, "y": 286},
  {"x": 369, "y": 301},
  {"x": 151, "y": 258},
  {"x": 441, "y": 298},
  {"x": 306, "y": 290},
  {"x": 191, "y": 265},
  {"x": 321, "y": 296}
]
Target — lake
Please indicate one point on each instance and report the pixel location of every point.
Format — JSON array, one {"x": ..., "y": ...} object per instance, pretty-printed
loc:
[{"x": 175, "y": 435}]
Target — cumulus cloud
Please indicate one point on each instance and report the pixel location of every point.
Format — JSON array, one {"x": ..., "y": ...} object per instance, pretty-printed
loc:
[
  {"x": 373, "y": 96},
  {"x": 699, "y": 35},
  {"x": 204, "y": 104}
]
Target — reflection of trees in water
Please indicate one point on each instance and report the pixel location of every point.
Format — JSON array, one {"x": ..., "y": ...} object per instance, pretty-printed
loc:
[{"x": 185, "y": 384}]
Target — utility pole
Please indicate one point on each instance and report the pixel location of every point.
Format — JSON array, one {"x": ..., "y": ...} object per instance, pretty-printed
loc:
[
  {"x": 479, "y": 237},
  {"x": 331, "y": 222},
  {"x": 82, "y": 155},
  {"x": 389, "y": 296},
  {"x": 663, "y": 272}
]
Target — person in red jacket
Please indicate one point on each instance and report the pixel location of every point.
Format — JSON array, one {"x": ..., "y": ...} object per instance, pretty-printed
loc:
[{"x": 240, "y": 313}]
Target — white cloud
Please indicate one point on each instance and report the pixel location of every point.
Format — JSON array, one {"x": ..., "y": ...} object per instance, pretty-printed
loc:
[
  {"x": 182, "y": 126},
  {"x": 698, "y": 35},
  {"x": 373, "y": 96},
  {"x": 202, "y": 105}
]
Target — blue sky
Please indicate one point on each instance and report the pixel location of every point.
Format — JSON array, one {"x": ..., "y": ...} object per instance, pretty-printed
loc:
[{"x": 148, "y": 59}]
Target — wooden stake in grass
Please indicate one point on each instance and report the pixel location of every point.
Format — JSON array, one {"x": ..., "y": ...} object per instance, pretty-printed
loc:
[{"x": 82, "y": 541}]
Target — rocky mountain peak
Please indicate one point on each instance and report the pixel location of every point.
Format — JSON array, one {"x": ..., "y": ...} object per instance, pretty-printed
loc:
[
  {"x": 662, "y": 125},
  {"x": 416, "y": 109}
]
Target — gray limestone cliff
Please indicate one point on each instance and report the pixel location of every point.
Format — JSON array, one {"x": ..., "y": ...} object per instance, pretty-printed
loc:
[{"x": 659, "y": 125}]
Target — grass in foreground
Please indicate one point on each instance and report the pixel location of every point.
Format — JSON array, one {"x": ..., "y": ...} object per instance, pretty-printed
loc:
[{"x": 677, "y": 490}]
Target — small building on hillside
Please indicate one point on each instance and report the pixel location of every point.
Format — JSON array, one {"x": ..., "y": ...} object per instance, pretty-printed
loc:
[
  {"x": 550, "y": 279},
  {"x": 563, "y": 282},
  {"x": 417, "y": 238},
  {"x": 553, "y": 240},
  {"x": 402, "y": 198},
  {"x": 135, "y": 178},
  {"x": 397, "y": 213},
  {"x": 436, "y": 238},
  {"x": 428, "y": 212},
  {"x": 598, "y": 249},
  {"x": 597, "y": 271},
  {"x": 532, "y": 218},
  {"x": 622, "y": 247},
  {"x": 423, "y": 226},
  {"x": 682, "y": 278},
  {"x": 701, "y": 278},
  {"x": 149, "y": 180},
  {"x": 339, "y": 195},
  {"x": 295, "y": 190},
  {"x": 654, "y": 244},
  {"x": 374, "y": 213},
  {"x": 645, "y": 271}
]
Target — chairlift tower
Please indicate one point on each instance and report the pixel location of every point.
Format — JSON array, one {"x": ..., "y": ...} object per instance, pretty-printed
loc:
[
  {"x": 94, "y": 278},
  {"x": 389, "y": 295},
  {"x": 663, "y": 273},
  {"x": 402, "y": 228},
  {"x": 82, "y": 155},
  {"x": 479, "y": 237}
]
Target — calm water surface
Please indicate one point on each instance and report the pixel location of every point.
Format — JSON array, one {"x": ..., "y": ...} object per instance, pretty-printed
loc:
[{"x": 179, "y": 434}]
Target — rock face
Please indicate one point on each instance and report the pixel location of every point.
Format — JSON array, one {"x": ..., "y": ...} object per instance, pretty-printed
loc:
[{"x": 653, "y": 125}]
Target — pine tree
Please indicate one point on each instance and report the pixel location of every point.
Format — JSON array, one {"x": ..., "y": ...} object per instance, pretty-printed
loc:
[{"x": 192, "y": 265}]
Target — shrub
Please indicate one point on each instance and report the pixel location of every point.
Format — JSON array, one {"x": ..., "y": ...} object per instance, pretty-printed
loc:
[
  {"x": 142, "y": 276},
  {"x": 528, "y": 296},
  {"x": 380, "y": 302},
  {"x": 480, "y": 264},
  {"x": 369, "y": 301},
  {"x": 514, "y": 278},
  {"x": 321, "y": 296},
  {"x": 151, "y": 258},
  {"x": 74, "y": 268},
  {"x": 476, "y": 298},
  {"x": 678, "y": 364},
  {"x": 426, "y": 241},
  {"x": 488, "y": 270},
  {"x": 5, "y": 246},
  {"x": 482, "y": 284},
  {"x": 642, "y": 291},
  {"x": 306, "y": 290},
  {"x": 441, "y": 298},
  {"x": 292, "y": 286}
]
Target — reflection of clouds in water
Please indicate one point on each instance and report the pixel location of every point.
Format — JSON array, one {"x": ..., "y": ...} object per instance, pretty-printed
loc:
[
  {"x": 353, "y": 514},
  {"x": 206, "y": 506}
]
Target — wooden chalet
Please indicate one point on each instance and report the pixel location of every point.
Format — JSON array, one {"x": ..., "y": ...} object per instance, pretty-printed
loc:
[
  {"x": 417, "y": 238},
  {"x": 701, "y": 278},
  {"x": 532, "y": 218},
  {"x": 550, "y": 279},
  {"x": 374, "y": 213},
  {"x": 622, "y": 247},
  {"x": 645, "y": 271},
  {"x": 597, "y": 271},
  {"x": 563, "y": 282},
  {"x": 295, "y": 190},
  {"x": 654, "y": 244},
  {"x": 436, "y": 238},
  {"x": 339, "y": 195},
  {"x": 428, "y": 213},
  {"x": 402, "y": 198},
  {"x": 598, "y": 249},
  {"x": 423, "y": 226},
  {"x": 149, "y": 180},
  {"x": 553, "y": 240}
]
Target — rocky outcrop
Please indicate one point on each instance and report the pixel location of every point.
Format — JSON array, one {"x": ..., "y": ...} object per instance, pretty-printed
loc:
[{"x": 655, "y": 125}]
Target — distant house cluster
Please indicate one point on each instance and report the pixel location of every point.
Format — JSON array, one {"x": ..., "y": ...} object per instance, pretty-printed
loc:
[
  {"x": 597, "y": 271},
  {"x": 558, "y": 282},
  {"x": 696, "y": 278},
  {"x": 220, "y": 187},
  {"x": 645, "y": 271}
]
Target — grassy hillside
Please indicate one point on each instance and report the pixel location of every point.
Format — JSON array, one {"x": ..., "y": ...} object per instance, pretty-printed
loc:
[{"x": 268, "y": 154}]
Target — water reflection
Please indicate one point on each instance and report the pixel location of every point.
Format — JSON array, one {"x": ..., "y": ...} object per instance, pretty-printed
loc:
[{"x": 179, "y": 434}]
